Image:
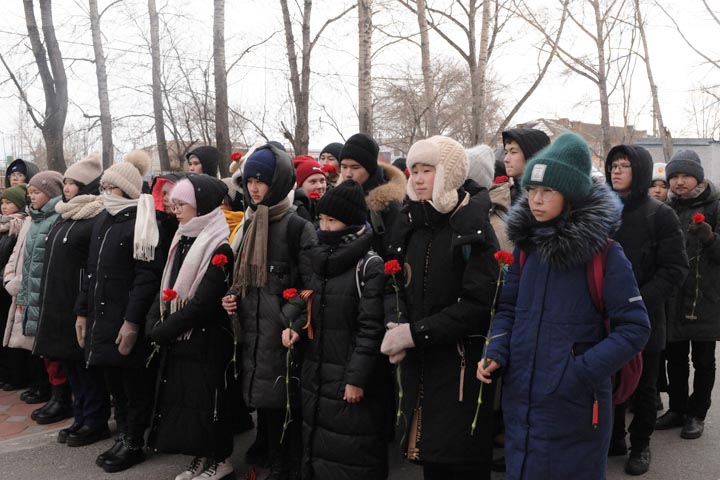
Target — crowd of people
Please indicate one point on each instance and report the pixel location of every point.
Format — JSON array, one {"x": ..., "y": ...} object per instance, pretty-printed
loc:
[{"x": 453, "y": 301}]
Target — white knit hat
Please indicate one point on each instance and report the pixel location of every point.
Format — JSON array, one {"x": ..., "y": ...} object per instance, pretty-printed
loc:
[
  {"x": 128, "y": 175},
  {"x": 481, "y": 160},
  {"x": 86, "y": 170},
  {"x": 451, "y": 169},
  {"x": 659, "y": 172}
]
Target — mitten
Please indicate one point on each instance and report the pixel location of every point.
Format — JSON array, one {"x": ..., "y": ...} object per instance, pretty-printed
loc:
[
  {"x": 127, "y": 336},
  {"x": 397, "y": 339},
  {"x": 703, "y": 231}
]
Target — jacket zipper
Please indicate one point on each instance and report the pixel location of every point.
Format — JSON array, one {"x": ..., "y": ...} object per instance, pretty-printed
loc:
[
  {"x": 97, "y": 266},
  {"x": 215, "y": 415},
  {"x": 44, "y": 293}
]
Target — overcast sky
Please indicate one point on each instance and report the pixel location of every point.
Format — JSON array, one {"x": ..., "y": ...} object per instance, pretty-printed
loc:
[{"x": 258, "y": 83}]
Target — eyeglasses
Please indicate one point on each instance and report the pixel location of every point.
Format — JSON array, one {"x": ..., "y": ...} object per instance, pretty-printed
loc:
[
  {"x": 546, "y": 193},
  {"x": 107, "y": 188},
  {"x": 623, "y": 167},
  {"x": 177, "y": 206}
]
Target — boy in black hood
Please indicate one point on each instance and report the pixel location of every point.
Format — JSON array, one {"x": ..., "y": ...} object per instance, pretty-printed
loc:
[{"x": 651, "y": 237}]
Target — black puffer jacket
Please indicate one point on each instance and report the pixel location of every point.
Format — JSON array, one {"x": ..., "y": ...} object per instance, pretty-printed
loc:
[
  {"x": 65, "y": 265},
  {"x": 699, "y": 296},
  {"x": 345, "y": 440},
  {"x": 450, "y": 276},
  {"x": 192, "y": 411},
  {"x": 651, "y": 238},
  {"x": 118, "y": 288}
]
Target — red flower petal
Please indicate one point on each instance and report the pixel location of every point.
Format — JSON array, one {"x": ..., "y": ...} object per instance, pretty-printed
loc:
[
  {"x": 504, "y": 258},
  {"x": 698, "y": 218},
  {"x": 169, "y": 294},
  {"x": 501, "y": 179},
  {"x": 290, "y": 293},
  {"x": 314, "y": 195},
  {"x": 219, "y": 260},
  {"x": 329, "y": 169},
  {"x": 392, "y": 267},
  {"x": 236, "y": 156}
]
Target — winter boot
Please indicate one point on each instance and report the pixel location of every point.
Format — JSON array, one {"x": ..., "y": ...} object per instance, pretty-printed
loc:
[
  {"x": 60, "y": 410},
  {"x": 195, "y": 468},
  {"x": 128, "y": 454},
  {"x": 110, "y": 452},
  {"x": 38, "y": 411},
  {"x": 215, "y": 470},
  {"x": 63, "y": 434}
]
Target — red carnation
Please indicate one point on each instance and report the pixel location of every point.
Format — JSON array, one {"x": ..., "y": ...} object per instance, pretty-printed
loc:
[
  {"x": 698, "y": 218},
  {"x": 392, "y": 267},
  {"x": 169, "y": 294},
  {"x": 501, "y": 179},
  {"x": 236, "y": 156},
  {"x": 290, "y": 293},
  {"x": 314, "y": 195},
  {"x": 504, "y": 258},
  {"x": 219, "y": 260},
  {"x": 407, "y": 172},
  {"x": 329, "y": 169}
]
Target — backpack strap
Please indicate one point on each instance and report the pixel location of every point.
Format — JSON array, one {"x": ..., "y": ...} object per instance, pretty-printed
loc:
[
  {"x": 595, "y": 273},
  {"x": 361, "y": 270}
]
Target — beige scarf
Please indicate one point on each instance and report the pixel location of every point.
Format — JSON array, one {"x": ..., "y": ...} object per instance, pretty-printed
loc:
[
  {"x": 80, "y": 207},
  {"x": 251, "y": 270}
]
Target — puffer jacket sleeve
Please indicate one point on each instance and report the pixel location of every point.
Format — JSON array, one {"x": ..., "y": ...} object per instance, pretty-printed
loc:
[
  {"x": 11, "y": 279},
  {"x": 711, "y": 251},
  {"x": 370, "y": 327},
  {"x": 629, "y": 323},
  {"x": 209, "y": 293},
  {"x": 670, "y": 259},
  {"x": 470, "y": 315},
  {"x": 502, "y": 326},
  {"x": 146, "y": 283},
  {"x": 290, "y": 313}
]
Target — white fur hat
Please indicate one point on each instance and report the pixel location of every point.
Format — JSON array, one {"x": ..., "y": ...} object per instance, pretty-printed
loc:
[
  {"x": 481, "y": 160},
  {"x": 451, "y": 169}
]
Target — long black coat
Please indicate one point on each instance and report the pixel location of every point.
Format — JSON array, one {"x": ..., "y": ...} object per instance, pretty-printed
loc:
[
  {"x": 450, "y": 278},
  {"x": 192, "y": 409},
  {"x": 702, "y": 285},
  {"x": 64, "y": 267},
  {"x": 263, "y": 315},
  {"x": 342, "y": 440},
  {"x": 118, "y": 288},
  {"x": 651, "y": 238}
]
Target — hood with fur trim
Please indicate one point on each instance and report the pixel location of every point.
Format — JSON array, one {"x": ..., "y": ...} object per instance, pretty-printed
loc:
[
  {"x": 573, "y": 238},
  {"x": 393, "y": 190}
]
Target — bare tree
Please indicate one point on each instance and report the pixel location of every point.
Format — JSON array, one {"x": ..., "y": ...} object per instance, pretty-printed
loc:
[
  {"x": 222, "y": 126},
  {"x": 658, "y": 124},
  {"x": 54, "y": 81},
  {"x": 365, "y": 104},
  {"x": 426, "y": 68},
  {"x": 300, "y": 75},
  {"x": 156, "y": 87},
  {"x": 101, "y": 72}
]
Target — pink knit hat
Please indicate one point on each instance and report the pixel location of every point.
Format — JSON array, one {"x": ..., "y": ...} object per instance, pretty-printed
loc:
[{"x": 184, "y": 192}]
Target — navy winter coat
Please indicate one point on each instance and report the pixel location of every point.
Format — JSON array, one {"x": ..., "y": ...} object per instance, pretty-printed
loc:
[{"x": 551, "y": 341}]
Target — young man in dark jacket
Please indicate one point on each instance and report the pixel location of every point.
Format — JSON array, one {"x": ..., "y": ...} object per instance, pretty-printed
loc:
[
  {"x": 650, "y": 235},
  {"x": 693, "y": 320}
]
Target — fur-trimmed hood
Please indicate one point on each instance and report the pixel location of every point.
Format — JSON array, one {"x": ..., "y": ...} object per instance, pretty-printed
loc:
[
  {"x": 575, "y": 237},
  {"x": 393, "y": 190}
]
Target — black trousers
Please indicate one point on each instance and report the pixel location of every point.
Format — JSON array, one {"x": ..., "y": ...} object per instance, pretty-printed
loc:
[
  {"x": 645, "y": 412},
  {"x": 703, "y": 358},
  {"x": 471, "y": 471},
  {"x": 132, "y": 389},
  {"x": 290, "y": 449},
  {"x": 91, "y": 402}
]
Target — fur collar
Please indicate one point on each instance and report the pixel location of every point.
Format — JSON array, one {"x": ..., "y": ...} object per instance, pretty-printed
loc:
[
  {"x": 393, "y": 190},
  {"x": 575, "y": 237}
]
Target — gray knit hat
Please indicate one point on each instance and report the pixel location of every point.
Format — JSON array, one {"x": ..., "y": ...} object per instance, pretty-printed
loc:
[
  {"x": 481, "y": 160},
  {"x": 685, "y": 161},
  {"x": 48, "y": 182},
  {"x": 127, "y": 175}
]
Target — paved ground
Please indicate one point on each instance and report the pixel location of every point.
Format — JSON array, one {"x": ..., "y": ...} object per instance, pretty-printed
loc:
[{"x": 30, "y": 452}]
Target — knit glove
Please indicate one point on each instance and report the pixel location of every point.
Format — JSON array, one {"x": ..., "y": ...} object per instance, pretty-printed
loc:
[
  {"x": 397, "y": 339},
  {"x": 127, "y": 336},
  {"x": 702, "y": 231}
]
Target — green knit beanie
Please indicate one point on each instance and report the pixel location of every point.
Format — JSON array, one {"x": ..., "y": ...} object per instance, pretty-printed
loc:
[
  {"x": 16, "y": 195},
  {"x": 565, "y": 165}
]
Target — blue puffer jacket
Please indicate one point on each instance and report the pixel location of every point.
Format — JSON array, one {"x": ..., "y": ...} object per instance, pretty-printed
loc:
[{"x": 551, "y": 341}]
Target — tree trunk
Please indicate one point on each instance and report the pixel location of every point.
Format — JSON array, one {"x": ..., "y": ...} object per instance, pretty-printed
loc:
[
  {"x": 602, "y": 81},
  {"x": 103, "y": 96},
  {"x": 428, "y": 77},
  {"x": 365, "y": 106},
  {"x": 481, "y": 76},
  {"x": 657, "y": 114},
  {"x": 222, "y": 126},
  {"x": 53, "y": 79},
  {"x": 156, "y": 87}
]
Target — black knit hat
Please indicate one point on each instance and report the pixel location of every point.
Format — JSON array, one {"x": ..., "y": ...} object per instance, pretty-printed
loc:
[
  {"x": 333, "y": 149},
  {"x": 209, "y": 157},
  {"x": 346, "y": 203},
  {"x": 363, "y": 149},
  {"x": 687, "y": 162},
  {"x": 209, "y": 192},
  {"x": 531, "y": 140}
]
